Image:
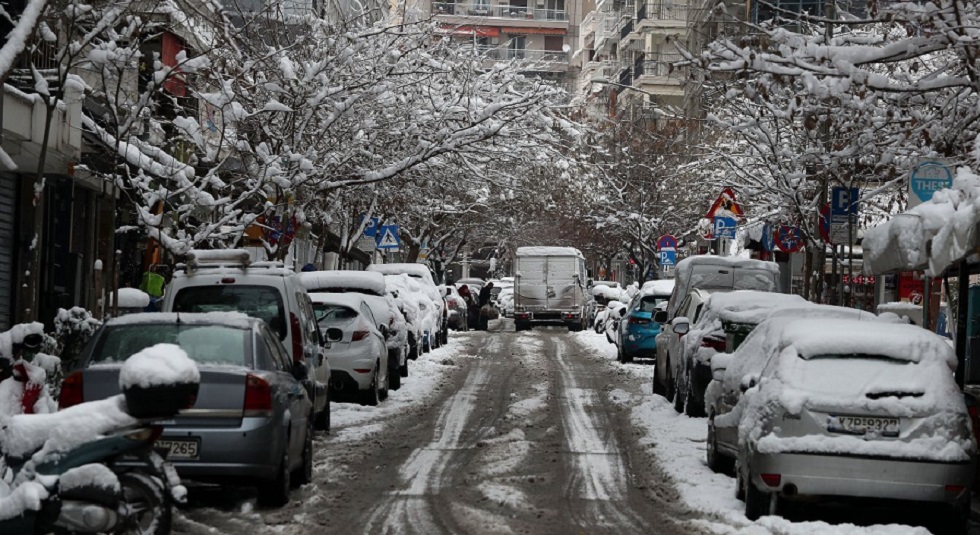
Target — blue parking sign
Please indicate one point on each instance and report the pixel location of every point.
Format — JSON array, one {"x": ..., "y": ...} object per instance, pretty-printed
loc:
[
  {"x": 724, "y": 227},
  {"x": 668, "y": 257}
]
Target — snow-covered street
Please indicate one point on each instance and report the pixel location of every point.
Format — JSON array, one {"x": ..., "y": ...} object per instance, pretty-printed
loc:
[{"x": 532, "y": 432}]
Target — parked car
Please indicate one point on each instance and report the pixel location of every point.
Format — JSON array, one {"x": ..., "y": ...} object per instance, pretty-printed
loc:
[
  {"x": 721, "y": 396},
  {"x": 252, "y": 422},
  {"x": 870, "y": 412},
  {"x": 638, "y": 331},
  {"x": 227, "y": 281},
  {"x": 666, "y": 369},
  {"x": 456, "y": 307},
  {"x": 615, "y": 312},
  {"x": 358, "y": 353},
  {"x": 505, "y": 302},
  {"x": 418, "y": 310},
  {"x": 709, "y": 336},
  {"x": 372, "y": 287},
  {"x": 423, "y": 277}
]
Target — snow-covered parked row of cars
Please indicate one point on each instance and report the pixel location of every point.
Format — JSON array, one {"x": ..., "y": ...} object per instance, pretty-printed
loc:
[
  {"x": 805, "y": 401},
  {"x": 274, "y": 348}
]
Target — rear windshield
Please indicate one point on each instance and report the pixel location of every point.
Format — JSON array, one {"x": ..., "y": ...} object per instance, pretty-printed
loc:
[
  {"x": 206, "y": 344},
  {"x": 332, "y": 315},
  {"x": 650, "y": 302},
  {"x": 261, "y": 302}
]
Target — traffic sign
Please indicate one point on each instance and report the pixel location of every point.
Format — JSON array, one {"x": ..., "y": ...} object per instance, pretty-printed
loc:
[
  {"x": 388, "y": 237},
  {"x": 843, "y": 214},
  {"x": 768, "y": 238},
  {"x": 927, "y": 178},
  {"x": 667, "y": 242},
  {"x": 371, "y": 229},
  {"x": 724, "y": 227},
  {"x": 668, "y": 257},
  {"x": 789, "y": 239},
  {"x": 725, "y": 205}
]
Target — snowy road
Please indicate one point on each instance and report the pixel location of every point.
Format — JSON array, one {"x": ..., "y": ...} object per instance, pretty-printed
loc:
[
  {"x": 505, "y": 432},
  {"x": 498, "y": 432}
]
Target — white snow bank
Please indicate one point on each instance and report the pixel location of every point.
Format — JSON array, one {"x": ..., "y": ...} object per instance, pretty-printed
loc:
[
  {"x": 61, "y": 431},
  {"x": 25, "y": 497},
  {"x": 158, "y": 365}
]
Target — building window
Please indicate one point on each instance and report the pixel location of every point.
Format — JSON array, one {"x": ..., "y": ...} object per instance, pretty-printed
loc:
[{"x": 517, "y": 46}]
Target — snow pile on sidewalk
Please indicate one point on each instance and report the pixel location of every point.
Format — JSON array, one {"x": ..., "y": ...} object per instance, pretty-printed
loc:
[{"x": 159, "y": 365}]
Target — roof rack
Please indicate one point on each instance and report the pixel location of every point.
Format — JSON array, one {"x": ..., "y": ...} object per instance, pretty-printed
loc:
[{"x": 198, "y": 259}]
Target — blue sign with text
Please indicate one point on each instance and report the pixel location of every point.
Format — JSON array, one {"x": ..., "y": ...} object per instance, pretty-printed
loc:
[
  {"x": 928, "y": 178},
  {"x": 724, "y": 227}
]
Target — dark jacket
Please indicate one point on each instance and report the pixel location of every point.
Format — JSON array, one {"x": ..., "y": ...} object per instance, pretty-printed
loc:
[{"x": 485, "y": 294}]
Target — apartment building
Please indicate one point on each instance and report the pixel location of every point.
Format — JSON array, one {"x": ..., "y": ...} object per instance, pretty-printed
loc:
[{"x": 542, "y": 33}]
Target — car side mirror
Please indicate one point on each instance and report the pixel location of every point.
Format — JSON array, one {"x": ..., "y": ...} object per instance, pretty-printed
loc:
[
  {"x": 680, "y": 325},
  {"x": 334, "y": 334},
  {"x": 748, "y": 381},
  {"x": 660, "y": 316},
  {"x": 300, "y": 371}
]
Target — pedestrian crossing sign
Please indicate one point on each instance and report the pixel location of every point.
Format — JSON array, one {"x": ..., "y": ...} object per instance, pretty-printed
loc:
[{"x": 388, "y": 237}]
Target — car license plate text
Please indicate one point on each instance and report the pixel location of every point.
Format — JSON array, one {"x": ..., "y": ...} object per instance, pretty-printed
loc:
[
  {"x": 178, "y": 449},
  {"x": 862, "y": 425}
]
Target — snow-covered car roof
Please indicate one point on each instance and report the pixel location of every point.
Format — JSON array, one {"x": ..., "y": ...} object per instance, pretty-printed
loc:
[
  {"x": 750, "y": 306},
  {"x": 366, "y": 281},
  {"x": 349, "y": 300},
  {"x": 811, "y": 338},
  {"x": 549, "y": 251},
  {"x": 417, "y": 271},
  {"x": 231, "y": 319},
  {"x": 658, "y": 287}
]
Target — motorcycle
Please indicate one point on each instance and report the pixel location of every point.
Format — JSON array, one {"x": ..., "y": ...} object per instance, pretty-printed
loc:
[{"x": 92, "y": 467}]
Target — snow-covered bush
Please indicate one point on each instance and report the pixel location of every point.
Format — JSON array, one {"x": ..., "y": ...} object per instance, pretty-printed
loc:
[{"x": 73, "y": 328}]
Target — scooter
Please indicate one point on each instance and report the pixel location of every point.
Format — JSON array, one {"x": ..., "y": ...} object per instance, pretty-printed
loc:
[{"x": 116, "y": 483}]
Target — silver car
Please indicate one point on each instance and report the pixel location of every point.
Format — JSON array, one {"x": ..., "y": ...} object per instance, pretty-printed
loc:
[
  {"x": 870, "y": 412},
  {"x": 253, "y": 419},
  {"x": 357, "y": 352}
]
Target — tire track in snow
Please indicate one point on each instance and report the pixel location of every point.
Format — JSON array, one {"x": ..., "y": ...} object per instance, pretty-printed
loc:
[
  {"x": 598, "y": 473},
  {"x": 409, "y": 509}
]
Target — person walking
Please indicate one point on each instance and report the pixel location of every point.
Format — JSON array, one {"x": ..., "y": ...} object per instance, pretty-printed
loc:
[{"x": 485, "y": 294}]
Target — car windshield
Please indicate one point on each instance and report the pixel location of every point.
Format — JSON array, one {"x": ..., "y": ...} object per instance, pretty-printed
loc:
[
  {"x": 332, "y": 315},
  {"x": 206, "y": 344},
  {"x": 263, "y": 302},
  {"x": 649, "y": 303}
]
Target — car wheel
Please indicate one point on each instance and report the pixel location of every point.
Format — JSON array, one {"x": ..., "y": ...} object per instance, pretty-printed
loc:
[
  {"x": 383, "y": 392},
  {"x": 757, "y": 502},
  {"x": 668, "y": 382},
  {"x": 658, "y": 387},
  {"x": 679, "y": 395},
  {"x": 716, "y": 461},
  {"x": 304, "y": 474},
  {"x": 739, "y": 485},
  {"x": 322, "y": 421},
  {"x": 627, "y": 357},
  {"x": 275, "y": 493},
  {"x": 395, "y": 373},
  {"x": 402, "y": 371},
  {"x": 413, "y": 351},
  {"x": 369, "y": 397},
  {"x": 693, "y": 407},
  {"x": 152, "y": 512}
]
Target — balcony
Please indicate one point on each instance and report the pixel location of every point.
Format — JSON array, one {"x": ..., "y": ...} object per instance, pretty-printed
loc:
[
  {"x": 500, "y": 11},
  {"x": 658, "y": 76},
  {"x": 663, "y": 16},
  {"x": 606, "y": 33},
  {"x": 626, "y": 29},
  {"x": 545, "y": 60},
  {"x": 626, "y": 77}
]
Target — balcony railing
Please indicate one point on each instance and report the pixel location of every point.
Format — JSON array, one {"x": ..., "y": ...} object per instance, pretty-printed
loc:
[
  {"x": 662, "y": 69},
  {"x": 641, "y": 13},
  {"x": 626, "y": 29},
  {"x": 508, "y": 11},
  {"x": 626, "y": 77},
  {"x": 659, "y": 10},
  {"x": 507, "y": 53}
]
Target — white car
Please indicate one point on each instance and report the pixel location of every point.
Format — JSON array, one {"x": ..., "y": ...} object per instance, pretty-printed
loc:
[
  {"x": 505, "y": 302},
  {"x": 357, "y": 350},
  {"x": 372, "y": 287},
  {"x": 419, "y": 310},
  {"x": 457, "y": 307},
  {"x": 423, "y": 277}
]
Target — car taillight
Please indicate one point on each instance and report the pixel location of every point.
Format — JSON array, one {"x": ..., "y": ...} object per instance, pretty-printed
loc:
[
  {"x": 772, "y": 480},
  {"x": 72, "y": 392},
  {"x": 258, "y": 396},
  {"x": 359, "y": 335},
  {"x": 297, "y": 337},
  {"x": 714, "y": 343},
  {"x": 638, "y": 321}
]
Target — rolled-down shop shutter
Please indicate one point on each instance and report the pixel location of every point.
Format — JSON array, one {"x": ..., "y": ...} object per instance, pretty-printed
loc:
[{"x": 8, "y": 191}]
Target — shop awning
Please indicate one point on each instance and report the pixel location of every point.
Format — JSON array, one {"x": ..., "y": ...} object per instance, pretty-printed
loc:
[
  {"x": 535, "y": 31},
  {"x": 478, "y": 31},
  {"x": 931, "y": 236}
]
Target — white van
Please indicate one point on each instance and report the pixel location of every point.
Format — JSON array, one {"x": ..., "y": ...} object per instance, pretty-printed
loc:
[
  {"x": 227, "y": 280},
  {"x": 549, "y": 288}
]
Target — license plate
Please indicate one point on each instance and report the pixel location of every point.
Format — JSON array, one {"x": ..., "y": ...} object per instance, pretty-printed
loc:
[
  {"x": 862, "y": 425},
  {"x": 178, "y": 449}
]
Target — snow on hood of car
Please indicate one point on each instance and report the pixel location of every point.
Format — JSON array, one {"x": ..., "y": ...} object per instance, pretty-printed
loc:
[
  {"x": 158, "y": 365},
  {"x": 366, "y": 281},
  {"x": 412, "y": 270},
  {"x": 349, "y": 300},
  {"x": 658, "y": 287},
  {"x": 749, "y": 306}
]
